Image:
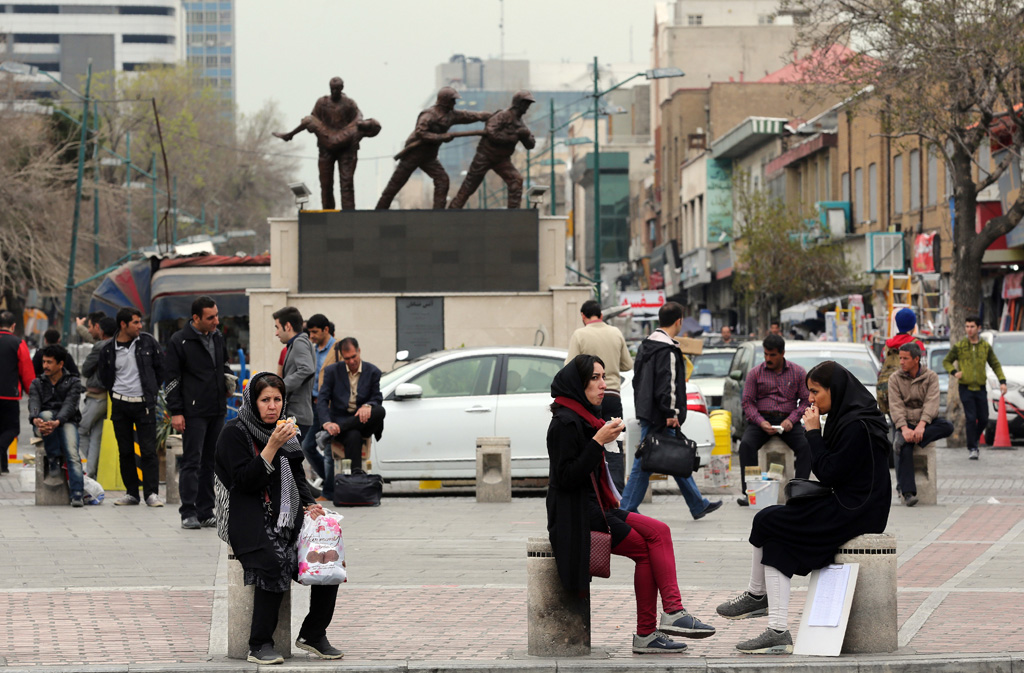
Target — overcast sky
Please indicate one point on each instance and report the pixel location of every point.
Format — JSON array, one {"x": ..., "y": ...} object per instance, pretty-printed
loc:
[{"x": 386, "y": 52}]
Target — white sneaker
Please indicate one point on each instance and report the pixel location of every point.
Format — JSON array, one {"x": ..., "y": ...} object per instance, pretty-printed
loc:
[{"x": 153, "y": 500}]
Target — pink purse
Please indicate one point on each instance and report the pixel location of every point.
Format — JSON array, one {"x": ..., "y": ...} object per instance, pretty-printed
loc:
[{"x": 600, "y": 545}]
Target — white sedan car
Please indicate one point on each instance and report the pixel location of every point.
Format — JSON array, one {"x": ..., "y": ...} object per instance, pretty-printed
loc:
[{"x": 438, "y": 404}]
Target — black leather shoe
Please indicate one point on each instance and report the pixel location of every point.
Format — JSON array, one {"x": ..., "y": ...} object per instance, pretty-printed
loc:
[{"x": 712, "y": 506}]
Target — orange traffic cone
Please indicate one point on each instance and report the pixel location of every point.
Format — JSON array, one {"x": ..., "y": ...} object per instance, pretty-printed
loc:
[{"x": 1002, "y": 438}]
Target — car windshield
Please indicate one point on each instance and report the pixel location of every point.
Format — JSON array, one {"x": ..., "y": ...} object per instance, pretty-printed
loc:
[
  {"x": 859, "y": 364},
  {"x": 1009, "y": 349},
  {"x": 935, "y": 359},
  {"x": 711, "y": 365},
  {"x": 399, "y": 371}
]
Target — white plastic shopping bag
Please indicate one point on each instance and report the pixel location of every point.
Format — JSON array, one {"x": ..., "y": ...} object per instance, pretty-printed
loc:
[
  {"x": 322, "y": 550},
  {"x": 94, "y": 493}
]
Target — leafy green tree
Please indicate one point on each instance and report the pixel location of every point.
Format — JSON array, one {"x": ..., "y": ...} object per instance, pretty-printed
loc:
[{"x": 777, "y": 263}]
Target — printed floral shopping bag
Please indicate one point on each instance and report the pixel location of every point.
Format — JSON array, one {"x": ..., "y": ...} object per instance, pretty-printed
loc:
[{"x": 322, "y": 550}]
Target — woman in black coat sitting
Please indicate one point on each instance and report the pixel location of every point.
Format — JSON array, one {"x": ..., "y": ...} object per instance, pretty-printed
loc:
[
  {"x": 259, "y": 462},
  {"x": 851, "y": 457},
  {"x": 581, "y": 498}
]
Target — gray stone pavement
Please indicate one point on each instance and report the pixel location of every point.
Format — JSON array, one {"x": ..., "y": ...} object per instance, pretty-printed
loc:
[{"x": 437, "y": 582}]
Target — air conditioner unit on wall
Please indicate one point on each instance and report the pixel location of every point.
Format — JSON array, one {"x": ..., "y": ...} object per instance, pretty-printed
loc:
[{"x": 887, "y": 252}]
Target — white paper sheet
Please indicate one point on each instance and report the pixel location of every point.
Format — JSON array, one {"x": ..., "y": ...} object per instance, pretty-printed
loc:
[{"x": 827, "y": 608}]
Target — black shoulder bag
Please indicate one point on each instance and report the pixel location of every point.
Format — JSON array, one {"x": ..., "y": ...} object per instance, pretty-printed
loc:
[{"x": 663, "y": 453}]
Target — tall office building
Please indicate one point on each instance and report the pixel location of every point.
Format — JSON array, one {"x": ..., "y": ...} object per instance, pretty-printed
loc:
[
  {"x": 210, "y": 27},
  {"x": 60, "y": 37}
]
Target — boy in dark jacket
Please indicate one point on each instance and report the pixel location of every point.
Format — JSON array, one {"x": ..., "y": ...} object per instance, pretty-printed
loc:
[
  {"x": 659, "y": 397},
  {"x": 53, "y": 409}
]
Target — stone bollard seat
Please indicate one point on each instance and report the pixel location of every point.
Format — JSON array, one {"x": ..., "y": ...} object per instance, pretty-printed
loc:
[
  {"x": 777, "y": 451},
  {"x": 873, "y": 627},
  {"x": 172, "y": 460},
  {"x": 926, "y": 474},
  {"x": 240, "y": 602},
  {"x": 557, "y": 622},
  {"x": 493, "y": 469},
  {"x": 47, "y": 495}
]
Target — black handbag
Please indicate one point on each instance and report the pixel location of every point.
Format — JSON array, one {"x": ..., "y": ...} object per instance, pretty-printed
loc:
[
  {"x": 674, "y": 455},
  {"x": 358, "y": 489},
  {"x": 799, "y": 490}
]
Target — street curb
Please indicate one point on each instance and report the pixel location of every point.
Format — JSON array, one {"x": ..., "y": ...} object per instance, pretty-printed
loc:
[{"x": 1006, "y": 662}]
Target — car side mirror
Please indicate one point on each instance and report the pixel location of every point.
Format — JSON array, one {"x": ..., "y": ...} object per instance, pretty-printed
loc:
[
  {"x": 736, "y": 375},
  {"x": 408, "y": 391}
]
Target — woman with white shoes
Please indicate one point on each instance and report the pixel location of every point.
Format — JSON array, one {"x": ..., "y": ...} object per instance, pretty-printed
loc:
[{"x": 850, "y": 457}]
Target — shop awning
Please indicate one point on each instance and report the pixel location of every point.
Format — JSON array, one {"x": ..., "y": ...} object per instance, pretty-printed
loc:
[{"x": 807, "y": 310}]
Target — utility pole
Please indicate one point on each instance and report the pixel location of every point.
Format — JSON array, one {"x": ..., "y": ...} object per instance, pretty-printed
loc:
[
  {"x": 597, "y": 187},
  {"x": 551, "y": 147}
]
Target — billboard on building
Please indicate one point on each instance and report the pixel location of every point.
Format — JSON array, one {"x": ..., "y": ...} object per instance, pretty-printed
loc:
[{"x": 719, "y": 201}]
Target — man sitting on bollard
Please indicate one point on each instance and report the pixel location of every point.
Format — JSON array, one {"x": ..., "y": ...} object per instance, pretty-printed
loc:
[
  {"x": 914, "y": 407},
  {"x": 53, "y": 408},
  {"x": 350, "y": 403},
  {"x": 774, "y": 399}
]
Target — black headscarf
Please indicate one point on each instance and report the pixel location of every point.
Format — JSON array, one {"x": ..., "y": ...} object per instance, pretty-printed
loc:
[
  {"x": 852, "y": 403},
  {"x": 568, "y": 383}
]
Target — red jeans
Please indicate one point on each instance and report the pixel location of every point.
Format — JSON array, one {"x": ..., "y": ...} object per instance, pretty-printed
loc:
[{"x": 650, "y": 545}]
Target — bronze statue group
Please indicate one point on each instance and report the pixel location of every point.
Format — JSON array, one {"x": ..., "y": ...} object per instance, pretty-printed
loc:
[{"x": 338, "y": 125}]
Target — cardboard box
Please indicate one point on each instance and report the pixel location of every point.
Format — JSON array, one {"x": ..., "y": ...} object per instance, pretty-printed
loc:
[{"x": 690, "y": 346}]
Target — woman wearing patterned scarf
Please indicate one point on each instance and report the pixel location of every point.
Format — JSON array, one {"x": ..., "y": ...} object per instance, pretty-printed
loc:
[{"x": 258, "y": 458}]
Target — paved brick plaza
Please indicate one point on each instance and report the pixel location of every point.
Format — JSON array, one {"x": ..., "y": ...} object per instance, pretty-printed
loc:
[{"x": 442, "y": 579}]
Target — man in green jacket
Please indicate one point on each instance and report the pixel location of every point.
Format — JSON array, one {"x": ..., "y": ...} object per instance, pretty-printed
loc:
[{"x": 971, "y": 354}]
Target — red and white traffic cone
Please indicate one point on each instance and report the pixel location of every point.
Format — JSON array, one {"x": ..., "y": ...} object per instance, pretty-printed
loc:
[{"x": 1002, "y": 438}]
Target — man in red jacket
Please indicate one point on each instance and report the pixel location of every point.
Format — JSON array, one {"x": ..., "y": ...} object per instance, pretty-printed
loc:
[{"x": 16, "y": 374}]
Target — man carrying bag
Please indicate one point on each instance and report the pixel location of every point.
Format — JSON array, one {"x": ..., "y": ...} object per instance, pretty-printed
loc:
[{"x": 659, "y": 394}]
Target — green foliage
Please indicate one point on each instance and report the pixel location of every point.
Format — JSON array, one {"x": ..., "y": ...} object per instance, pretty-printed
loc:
[{"x": 775, "y": 267}]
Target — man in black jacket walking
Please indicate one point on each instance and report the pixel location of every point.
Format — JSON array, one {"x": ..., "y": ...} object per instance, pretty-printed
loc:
[
  {"x": 196, "y": 390},
  {"x": 659, "y": 396},
  {"x": 132, "y": 368}
]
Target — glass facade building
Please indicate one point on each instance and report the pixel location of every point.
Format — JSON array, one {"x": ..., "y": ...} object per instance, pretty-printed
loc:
[{"x": 210, "y": 43}]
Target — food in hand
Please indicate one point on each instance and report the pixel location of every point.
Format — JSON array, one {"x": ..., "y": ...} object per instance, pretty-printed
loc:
[{"x": 290, "y": 419}]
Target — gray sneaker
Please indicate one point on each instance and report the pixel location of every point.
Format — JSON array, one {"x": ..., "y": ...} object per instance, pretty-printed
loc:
[
  {"x": 744, "y": 606},
  {"x": 656, "y": 643},
  {"x": 684, "y": 624},
  {"x": 972, "y": 454},
  {"x": 127, "y": 500},
  {"x": 909, "y": 500},
  {"x": 769, "y": 642},
  {"x": 153, "y": 500}
]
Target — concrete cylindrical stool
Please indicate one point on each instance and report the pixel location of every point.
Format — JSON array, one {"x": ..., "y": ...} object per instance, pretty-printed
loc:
[
  {"x": 926, "y": 477},
  {"x": 557, "y": 622},
  {"x": 47, "y": 494},
  {"x": 240, "y": 599},
  {"x": 493, "y": 469},
  {"x": 872, "y": 627},
  {"x": 172, "y": 461},
  {"x": 777, "y": 451}
]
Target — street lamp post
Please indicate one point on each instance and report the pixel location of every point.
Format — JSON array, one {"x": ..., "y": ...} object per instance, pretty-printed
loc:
[
  {"x": 69, "y": 287},
  {"x": 658, "y": 73}
]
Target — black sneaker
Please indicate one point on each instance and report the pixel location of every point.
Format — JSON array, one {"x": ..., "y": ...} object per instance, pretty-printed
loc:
[
  {"x": 744, "y": 606},
  {"x": 656, "y": 643},
  {"x": 684, "y": 624},
  {"x": 211, "y": 522},
  {"x": 712, "y": 506},
  {"x": 320, "y": 648},
  {"x": 266, "y": 654},
  {"x": 743, "y": 501},
  {"x": 77, "y": 501},
  {"x": 190, "y": 523}
]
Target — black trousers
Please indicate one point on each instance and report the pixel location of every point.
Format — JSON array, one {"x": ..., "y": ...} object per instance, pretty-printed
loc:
[
  {"x": 754, "y": 438},
  {"x": 353, "y": 432},
  {"x": 195, "y": 481},
  {"x": 10, "y": 428},
  {"x": 611, "y": 407},
  {"x": 128, "y": 419},
  {"x": 267, "y": 604},
  {"x": 975, "y": 403},
  {"x": 905, "y": 482}
]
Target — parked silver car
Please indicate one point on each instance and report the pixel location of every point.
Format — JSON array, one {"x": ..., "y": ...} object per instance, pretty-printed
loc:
[{"x": 856, "y": 357}]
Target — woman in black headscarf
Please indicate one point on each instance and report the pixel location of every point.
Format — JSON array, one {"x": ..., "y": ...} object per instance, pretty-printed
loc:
[
  {"x": 581, "y": 498},
  {"x": 850, "y": 456},
  {"x": 259, "y": 464}
]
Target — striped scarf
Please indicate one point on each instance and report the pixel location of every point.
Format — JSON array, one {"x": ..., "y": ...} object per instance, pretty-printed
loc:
[{"x": 260, "y": 433}]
